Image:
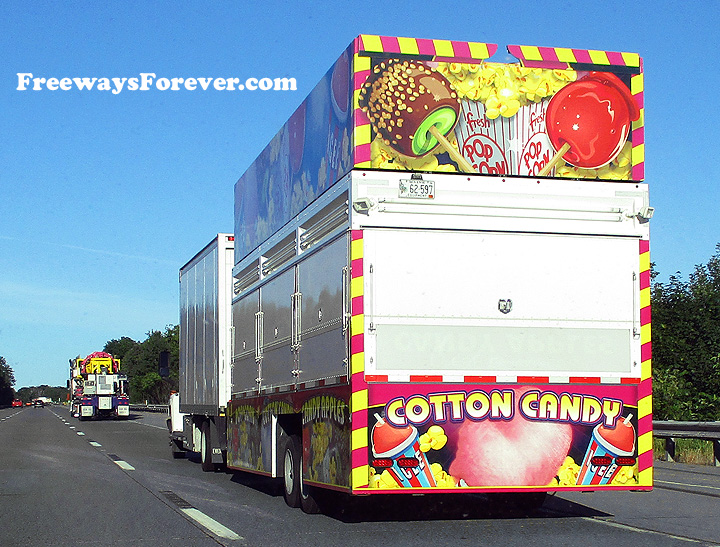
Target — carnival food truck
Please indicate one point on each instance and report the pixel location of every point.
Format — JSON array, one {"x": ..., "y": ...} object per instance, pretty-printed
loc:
[{"x": 441, "y": 278}]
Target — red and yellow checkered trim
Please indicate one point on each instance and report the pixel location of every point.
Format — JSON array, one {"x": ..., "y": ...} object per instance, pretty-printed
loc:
[
  {"x": 645, "y": 443},
  {"x": 359, "y": 399}
]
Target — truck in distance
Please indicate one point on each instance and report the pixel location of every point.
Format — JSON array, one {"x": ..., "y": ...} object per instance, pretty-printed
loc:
[{"x": 97, "y": 388}]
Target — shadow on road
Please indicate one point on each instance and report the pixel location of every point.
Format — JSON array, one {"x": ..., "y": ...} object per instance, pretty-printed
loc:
[
  {"x": 400, "y": 508},
  {"x": 271, "y": 487},
  {"x": 448, "y": 507}
]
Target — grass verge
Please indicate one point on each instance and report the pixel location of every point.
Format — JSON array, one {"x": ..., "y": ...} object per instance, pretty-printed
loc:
[{"x": 694, "y": 451}]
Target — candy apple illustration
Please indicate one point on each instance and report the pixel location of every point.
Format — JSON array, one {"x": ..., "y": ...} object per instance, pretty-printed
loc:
[
  {"x": 413, "y": 108},
  {"x": 588, "y": 121}
]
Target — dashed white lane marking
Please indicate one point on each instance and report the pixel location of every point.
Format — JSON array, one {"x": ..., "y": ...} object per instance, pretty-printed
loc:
[
  {"x": 198, "y": 516},
  {"x": 151, "y": 425},
  {"x": 201, "y": 518},
  {"x": 121, "y": 463},
  {"x": 210, "y": 523}
]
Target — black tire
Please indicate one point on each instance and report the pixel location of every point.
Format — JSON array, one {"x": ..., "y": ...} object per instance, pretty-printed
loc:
[
  {"x": 206, "y": 448},
  {"x": 292, "y": 471},
  {"x": 308, "y": 500},
  {"x": 297, "y": 494}
]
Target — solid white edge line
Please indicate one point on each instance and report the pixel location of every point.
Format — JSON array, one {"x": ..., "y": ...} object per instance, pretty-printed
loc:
[
  {"x": 210, "y": 523},
  {"x": 643, "y": 530},
  {"x": 687, "y": 484}
]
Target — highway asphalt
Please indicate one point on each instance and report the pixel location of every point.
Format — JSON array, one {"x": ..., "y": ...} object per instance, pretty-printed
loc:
[{"x": 65, "y": 482}]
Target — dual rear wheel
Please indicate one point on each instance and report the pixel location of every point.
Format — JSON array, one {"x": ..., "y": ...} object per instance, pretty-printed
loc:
[
  {"x": 206, "y": 445},
  {"x": 295, "y": 492}
]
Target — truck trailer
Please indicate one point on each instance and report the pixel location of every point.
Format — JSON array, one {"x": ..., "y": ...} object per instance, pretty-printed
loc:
[
  {"x": 197, "y": 420},
  {"x": 441, "y": 279},
  {"x": 97, "y": 387}
]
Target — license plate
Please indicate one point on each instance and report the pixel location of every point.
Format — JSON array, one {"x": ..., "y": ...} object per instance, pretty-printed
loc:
[{"x": 418, "y": 189}]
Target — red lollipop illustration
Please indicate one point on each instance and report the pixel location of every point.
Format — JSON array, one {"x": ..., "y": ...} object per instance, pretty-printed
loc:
[{"x": 588, "y": 121}]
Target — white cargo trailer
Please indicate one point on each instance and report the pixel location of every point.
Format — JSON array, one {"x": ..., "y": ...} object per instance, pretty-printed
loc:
[{"x": 197, "y": 418}]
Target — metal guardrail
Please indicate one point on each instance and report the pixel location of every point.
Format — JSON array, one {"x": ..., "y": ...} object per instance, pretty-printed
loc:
[
  {"x": 671, "y": 430},
  {"x": 668, "y": 430},
  {"x": 149, "y": 408}
]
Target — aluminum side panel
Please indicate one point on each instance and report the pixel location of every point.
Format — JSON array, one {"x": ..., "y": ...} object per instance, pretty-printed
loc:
[
  {"x": 277, "y": 359},
  {"x": 245, "y": 369},
  {"x": 321, "y": 278}
]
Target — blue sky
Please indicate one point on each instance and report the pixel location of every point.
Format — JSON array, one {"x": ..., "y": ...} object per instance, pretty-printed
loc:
[{"x": 103, "y": 197}]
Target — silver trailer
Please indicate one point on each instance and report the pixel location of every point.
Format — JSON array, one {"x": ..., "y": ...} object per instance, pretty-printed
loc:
[{"x": 197, "y": 416}]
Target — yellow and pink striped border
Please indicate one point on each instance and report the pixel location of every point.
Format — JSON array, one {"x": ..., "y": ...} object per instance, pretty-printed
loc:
[
  {"x": 645, "y": 443},
  {"x": 561, "y": 57},
  {"x": 436, "y": 50},
  {"x": 637, "y": 88},
  {"x": 359, "y": 397}
]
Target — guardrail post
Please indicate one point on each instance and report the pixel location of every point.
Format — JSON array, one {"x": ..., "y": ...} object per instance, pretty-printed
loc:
[
  {"x": 670, "y": 449},
  {"x": 716, "y": 451}
]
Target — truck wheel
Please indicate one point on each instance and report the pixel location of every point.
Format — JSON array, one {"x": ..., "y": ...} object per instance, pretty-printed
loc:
[
  {"x": 295, "y": 492},
  {"x": 308, "y": 500},
  {"x": 292, "y": 471},
  {"x": 206, "y": 448}
]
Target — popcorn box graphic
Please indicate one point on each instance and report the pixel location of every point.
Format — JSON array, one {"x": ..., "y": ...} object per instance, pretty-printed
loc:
[{"x": 504, "y": 146}]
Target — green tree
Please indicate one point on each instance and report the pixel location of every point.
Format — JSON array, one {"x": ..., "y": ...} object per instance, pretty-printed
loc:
[
  {"x": 7, "y": 381},
  {"x": 56, "y": 393},
  {"x": 120, "y": 348},
  {"x": 141, "y": 361},
  {"x": 686, "y": 344}
]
